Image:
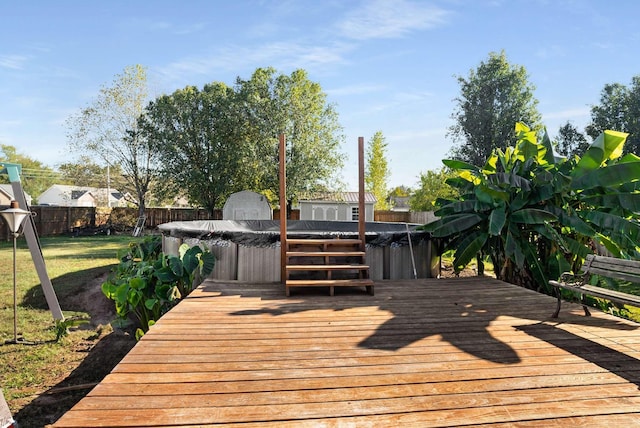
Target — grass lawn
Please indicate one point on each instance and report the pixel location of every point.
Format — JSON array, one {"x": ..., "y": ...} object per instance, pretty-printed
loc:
[{"x": 72, "y": 263}]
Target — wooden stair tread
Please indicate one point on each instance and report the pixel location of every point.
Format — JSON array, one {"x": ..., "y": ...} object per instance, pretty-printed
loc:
[
  {"x": 315, "y": 241},
  {"x": 326, "y": 254},
  {"x": 330, "y": 282},
  {"x": 327, "y": 267}
]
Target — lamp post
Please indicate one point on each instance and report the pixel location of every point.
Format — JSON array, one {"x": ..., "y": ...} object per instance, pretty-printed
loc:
[{"x": 14, "y": 217}]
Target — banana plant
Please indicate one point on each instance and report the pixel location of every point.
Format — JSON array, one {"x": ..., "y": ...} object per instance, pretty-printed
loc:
[{"x": 535, "y": 214}]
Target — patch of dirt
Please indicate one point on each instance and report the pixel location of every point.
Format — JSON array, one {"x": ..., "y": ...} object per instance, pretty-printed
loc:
[
  {"x": 447, "y": 271},
  {"x": 92, "y": 301},
  {"x": 89, "y": 362}
]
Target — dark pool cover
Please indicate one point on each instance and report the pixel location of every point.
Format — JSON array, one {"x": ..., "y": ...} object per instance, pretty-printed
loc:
[{"x": 267, "y": 232}]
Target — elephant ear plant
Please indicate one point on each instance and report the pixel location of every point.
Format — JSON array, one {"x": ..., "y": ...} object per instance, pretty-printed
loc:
[
  {"x": 536, "y": 215},
  {"x": 147, "y": 283}
]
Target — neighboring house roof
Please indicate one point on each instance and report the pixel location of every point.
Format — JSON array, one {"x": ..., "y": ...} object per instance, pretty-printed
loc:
[
  {"x": 341, "y": 197},
  {"x": 61, "y": 193},
  {"x": 7, "y": 191}
]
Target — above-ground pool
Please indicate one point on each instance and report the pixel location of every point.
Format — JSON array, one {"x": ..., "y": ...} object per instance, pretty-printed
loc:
[{"x": 249, "y": 250}]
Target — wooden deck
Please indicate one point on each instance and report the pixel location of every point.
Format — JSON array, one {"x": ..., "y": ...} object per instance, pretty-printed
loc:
[{"x": 427, "y": 353}]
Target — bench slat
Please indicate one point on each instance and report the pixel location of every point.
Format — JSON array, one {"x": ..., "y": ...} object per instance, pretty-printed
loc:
[
  {"x": 610, "y": 267},
  {"x": 623, "y": 276},
  {"x": 603, "y": 293}
]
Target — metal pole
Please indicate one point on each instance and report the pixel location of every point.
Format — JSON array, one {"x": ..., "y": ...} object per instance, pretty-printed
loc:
[{"x": 15, "y": 292}]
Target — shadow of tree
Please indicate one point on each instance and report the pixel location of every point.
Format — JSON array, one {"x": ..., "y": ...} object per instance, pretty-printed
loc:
[
  {"x": 463, "y": 322},
  {"x": 609, "y": 359}
]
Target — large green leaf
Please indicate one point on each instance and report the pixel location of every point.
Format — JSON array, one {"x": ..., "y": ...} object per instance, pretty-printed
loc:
[
  {"x": 456, "y": 208},
  {"x": 511, "y": 179},
  {"x": 191, "y": 260},
  {"x": 207, "y": 263},
  {"x": 558, "y": 265},
  {"x": 497, "y": 218},
  {"x": 572, "y": 220},
  {"x": 628, "y": 201},
  {"x": 532, "y": 216},
  {"x": 468, "y": 249},
  {"x": 621, "y": 230},
  {"x": 534, "y": 265},
  {"x": 608, "y": 145},
  {"x": 611, "y": 175},
  {"x": 175, "y": 264},
  {"x": 577, "y": 248},
  {"x": 512, "y": 248},
  {"x": 453, "y": 224},
  {"x": 489, "y": 194},
  {"x": 458, "y": 164},
  {"x": 548, "y": 157}
]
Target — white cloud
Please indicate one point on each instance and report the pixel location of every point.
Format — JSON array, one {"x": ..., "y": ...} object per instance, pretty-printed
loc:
[
  {"x": 553, "y": 51},
  {"x": 281, "y": 55},
  {"x": 381, "y": 19},
  {"x": 357, "y": 89},
  {"x": 13, "y": 62},
  {"x": 568, "y": 114}
]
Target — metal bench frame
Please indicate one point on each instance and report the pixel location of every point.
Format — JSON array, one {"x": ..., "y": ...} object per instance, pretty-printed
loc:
[{"x": 611, "y": 267}]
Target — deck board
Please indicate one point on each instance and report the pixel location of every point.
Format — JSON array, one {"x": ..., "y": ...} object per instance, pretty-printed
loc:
[{"x": 428, "y": 353}]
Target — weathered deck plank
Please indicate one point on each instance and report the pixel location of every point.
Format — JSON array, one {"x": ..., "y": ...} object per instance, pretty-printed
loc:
[{"x": 429, "y": 353}]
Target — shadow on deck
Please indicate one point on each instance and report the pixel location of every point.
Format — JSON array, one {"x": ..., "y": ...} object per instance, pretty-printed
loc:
[{"x": 457, "y": 352}]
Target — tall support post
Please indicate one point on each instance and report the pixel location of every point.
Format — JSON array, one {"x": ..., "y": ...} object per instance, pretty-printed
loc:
[
  {"x": 13, "y": 170},
  {"x": 361, "y": 211},
  {"x": 282, "y": 153}
]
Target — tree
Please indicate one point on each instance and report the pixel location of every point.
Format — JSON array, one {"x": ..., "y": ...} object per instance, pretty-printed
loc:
[
  {"x": 219, "y": 140},
  {"x": 35, "y": 177},
  {"x": 196, "y": 135},
  {"x": 296, "y": 106},
  {"x": 535, "y": 215},
  {"x": 571, "y": 142},
  {"x": 619, "y": 110},
  {"x": 433, "y": 187},
  {"x": 377, "y": 171},
  {"x": 85, "y": 172},
  {"x": 108, "y": 128},
  {"x": 492, "y": 98}
]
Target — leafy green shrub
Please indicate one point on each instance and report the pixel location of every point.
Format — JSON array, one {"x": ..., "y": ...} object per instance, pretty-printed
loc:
[
  {"x": 536, "y": 215},
  {"x": 147, "y": 283}
]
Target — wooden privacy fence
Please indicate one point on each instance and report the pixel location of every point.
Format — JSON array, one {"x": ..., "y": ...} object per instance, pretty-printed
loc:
[
  {"x": 50, "y": 221},
  {"x": 404, "y": 217}
]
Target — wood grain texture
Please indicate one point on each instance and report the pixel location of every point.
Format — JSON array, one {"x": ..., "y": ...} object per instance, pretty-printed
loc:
[{"x": 427, "y": 353}]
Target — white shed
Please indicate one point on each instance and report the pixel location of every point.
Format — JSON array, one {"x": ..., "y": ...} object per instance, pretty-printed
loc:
[
  {"x": 247, "y": 205},
  {"x": 335, "y": 206}
]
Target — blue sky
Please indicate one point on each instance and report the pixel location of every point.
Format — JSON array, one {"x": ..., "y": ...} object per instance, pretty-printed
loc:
[{"x": 388, "y": 65}]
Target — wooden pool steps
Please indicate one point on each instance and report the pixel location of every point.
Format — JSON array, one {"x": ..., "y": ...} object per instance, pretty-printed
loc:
[{"x": 326, "y": 263}]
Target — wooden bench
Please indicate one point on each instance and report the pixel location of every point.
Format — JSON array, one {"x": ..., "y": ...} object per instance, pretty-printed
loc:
[{"x": 610, "y": 267}]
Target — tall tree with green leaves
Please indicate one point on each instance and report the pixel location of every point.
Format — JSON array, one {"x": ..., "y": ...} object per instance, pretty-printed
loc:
[
  {"x": 377, "y": 172},
  {"x": 433, "y": 187},
  {"x": 35, "y": 176},
  {"x": 85, "y": 172},
  {"x": 570, "y": 141},
  {"x": 619, "y": 109},
  {"x": 108, "y": 130},
  {"x": 296, "y": 106},
  {"x": 197, "y": 136},
  {"x": 492, "y": 98}
]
